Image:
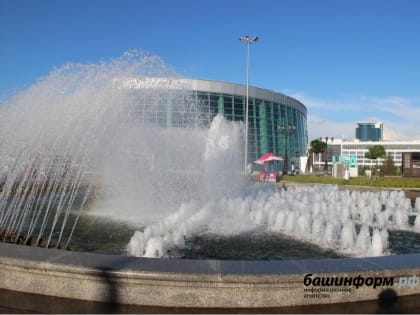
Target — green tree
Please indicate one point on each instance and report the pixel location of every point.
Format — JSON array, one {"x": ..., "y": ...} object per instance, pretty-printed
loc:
[
  {"x": 315, "y": 147},
  {"x": 375, "y": 152},
  {"x": 389, "y": 166}
]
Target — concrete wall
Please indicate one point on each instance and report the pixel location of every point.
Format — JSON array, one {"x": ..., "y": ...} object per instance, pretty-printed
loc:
[{"x": 199, "y": 283}]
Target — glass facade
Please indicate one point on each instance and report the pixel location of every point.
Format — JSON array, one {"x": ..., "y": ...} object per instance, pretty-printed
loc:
[
  {"x": 264, "y": 117},
  {"x": 369, "y": 131},
  {"x": 197, "y": 102}
]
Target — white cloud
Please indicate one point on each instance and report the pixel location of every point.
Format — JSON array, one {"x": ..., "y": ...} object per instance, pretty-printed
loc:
[
  {"x": 402, "y": 108},
  {"x": 400, "y": 131},
  {"x": 321, "y": 127},
  {"x": 315, "y": 103},
  {"x": 338, "y": 118}
]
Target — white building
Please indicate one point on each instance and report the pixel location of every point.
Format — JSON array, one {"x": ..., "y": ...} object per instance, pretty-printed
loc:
[{"x": 356, "y": 150}]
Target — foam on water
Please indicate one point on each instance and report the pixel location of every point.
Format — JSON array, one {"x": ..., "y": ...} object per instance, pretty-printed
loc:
[
  {"x": 354, "y": 223},
  {"x": 278, "y": 211}
]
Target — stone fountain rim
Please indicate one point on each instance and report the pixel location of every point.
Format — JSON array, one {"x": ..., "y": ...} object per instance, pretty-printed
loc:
[
  {"x": 184, "y": 283},
  {"x": 108, "y": 262}
]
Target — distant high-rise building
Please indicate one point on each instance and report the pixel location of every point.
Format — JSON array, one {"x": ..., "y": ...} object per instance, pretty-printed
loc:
[{"x": 370, "y": 131}]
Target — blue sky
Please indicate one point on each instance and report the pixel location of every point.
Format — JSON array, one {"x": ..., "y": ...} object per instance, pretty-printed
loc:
[{"x": 347, "y": 61}]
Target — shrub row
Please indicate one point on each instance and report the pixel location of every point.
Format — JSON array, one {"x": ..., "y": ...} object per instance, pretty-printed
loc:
[{"x": 394, "y": 182}]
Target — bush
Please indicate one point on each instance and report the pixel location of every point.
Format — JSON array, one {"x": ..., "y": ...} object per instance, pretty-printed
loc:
[
  {"x": 389, "y": 182},
  {"x": 389, "y": 166}
]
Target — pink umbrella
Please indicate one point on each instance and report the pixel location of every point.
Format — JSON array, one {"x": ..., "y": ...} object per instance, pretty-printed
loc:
[{"x": 267, "y": 158}]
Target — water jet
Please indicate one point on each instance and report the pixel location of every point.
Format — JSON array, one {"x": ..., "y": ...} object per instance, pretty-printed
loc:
[{"x": 117, "y": 142}]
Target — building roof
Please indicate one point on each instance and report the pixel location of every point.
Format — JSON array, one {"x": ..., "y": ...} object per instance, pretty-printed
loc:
[{"x": 213, "y": 87}]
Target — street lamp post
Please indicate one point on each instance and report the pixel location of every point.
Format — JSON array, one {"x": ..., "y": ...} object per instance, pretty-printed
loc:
[
  {"x": 248, "y": 39},
  {"x": 286, "y": 130}
]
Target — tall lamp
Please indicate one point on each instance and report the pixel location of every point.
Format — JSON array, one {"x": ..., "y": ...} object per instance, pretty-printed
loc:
[{"x": 248, "y": 39}]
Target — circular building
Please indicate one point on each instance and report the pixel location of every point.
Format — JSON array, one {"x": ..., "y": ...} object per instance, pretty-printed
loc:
[{"x": 276, "y": 122}]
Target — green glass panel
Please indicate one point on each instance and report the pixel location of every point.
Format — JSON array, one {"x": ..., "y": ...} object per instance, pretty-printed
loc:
[
  {"x": 220, "y": 106},
  {"x": 263, "y": 127}
]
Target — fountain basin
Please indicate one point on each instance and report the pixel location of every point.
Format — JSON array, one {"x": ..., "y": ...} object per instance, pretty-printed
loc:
[{"x": 200, "y": 283}]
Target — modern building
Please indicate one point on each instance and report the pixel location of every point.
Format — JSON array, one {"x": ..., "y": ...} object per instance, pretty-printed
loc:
[
  {"x": 370, "y": 131},
  {"x": 197, "y": 101},
  {"x": 356, "y": 150}
]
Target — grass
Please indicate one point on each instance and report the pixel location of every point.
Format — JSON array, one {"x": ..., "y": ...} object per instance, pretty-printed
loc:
[{"x": 394, "y": 182}]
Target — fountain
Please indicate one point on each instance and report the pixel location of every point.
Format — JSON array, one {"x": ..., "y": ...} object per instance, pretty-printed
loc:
[{"x": 87, "y": 142}]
